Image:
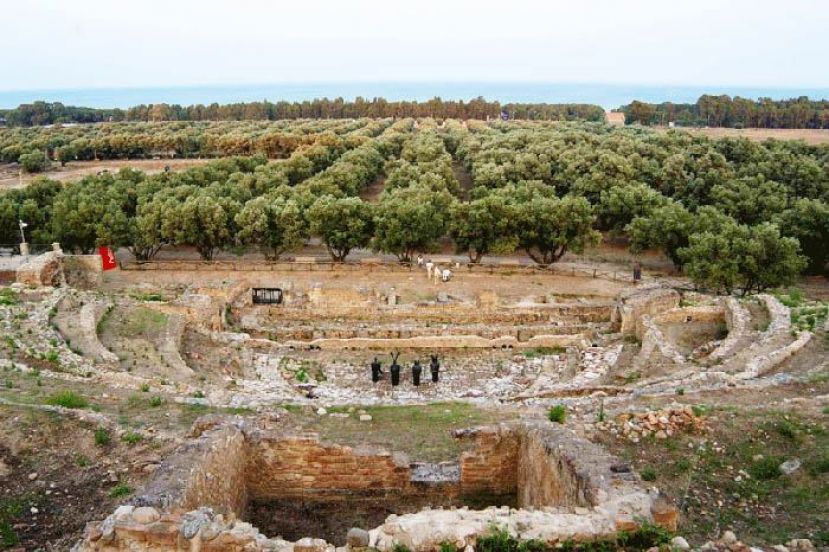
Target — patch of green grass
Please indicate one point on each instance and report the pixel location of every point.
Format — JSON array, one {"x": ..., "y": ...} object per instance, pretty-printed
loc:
[
  {"x": 557, "y": 413},
  {"x": 53, "y": 357},
  {"x": 145, "y": 387},
  {"x": 67, "y": 399},
  {"x": 648, "y": 474},
  {"x": 10, "y": 508},
  {"x": 132, "y": 438},
  {"x": 156, "y": 401},
  {"x": 8, "y": 297},
  {"x": 537, "y": 352},
  {"x": 149, "y": 297},
  {"x": 699, "y": 409},
  {"x": 121, "y": 490},
  {"x": 102, "y": 437},
  {"x": 144, "y": 321},
  {"x": 632, "y": 377}
]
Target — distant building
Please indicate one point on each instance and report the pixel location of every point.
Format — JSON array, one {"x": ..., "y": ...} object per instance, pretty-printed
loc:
[{"x": 616, "y": 118}]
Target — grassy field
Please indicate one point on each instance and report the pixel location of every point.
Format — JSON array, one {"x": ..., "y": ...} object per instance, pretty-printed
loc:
[{"x": 730, "y": 477}]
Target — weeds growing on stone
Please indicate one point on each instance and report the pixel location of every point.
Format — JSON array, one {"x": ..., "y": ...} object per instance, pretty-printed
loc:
[{"x": 557, "y": 414}]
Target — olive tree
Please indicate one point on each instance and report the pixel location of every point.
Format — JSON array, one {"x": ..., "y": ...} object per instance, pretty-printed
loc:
[
  {"x": 412, "y": 219},
  {"x": 549, "y": 227},
  {"x": 342, "y": 224},
  {"x": 481, "y": 225},
  {"x": 275, "y": 223}
]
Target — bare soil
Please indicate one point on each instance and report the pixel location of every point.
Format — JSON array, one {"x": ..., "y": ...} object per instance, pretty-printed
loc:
[
  {"x": 810, "y": 136},
  {"x": 10, "y": 177}
]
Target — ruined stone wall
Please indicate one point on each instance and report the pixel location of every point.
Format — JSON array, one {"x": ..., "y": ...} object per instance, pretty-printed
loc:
[
  {"x": 83, "y": 271},
  {"x": 444, "y": 341},
  {"x": 42, "y": 270},
  {"x": 546, "y": 476},
  {"x": 633, "y": 305},
  {"x": 713, "y": 314},
  {"x": 219, "y": 479}
]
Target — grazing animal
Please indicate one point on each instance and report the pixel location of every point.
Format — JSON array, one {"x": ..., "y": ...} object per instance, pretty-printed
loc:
[
  {"x": 420, "y": 260},
  {"x": 437, "y": 274},
  {"x": 446, "y": 275},
  {"x": 429, "y": 266}
]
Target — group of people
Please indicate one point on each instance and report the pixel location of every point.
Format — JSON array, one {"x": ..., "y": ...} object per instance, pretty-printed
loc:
[
  {"x": 440, "y": 274},
  {"x": 377, "y": 372}
]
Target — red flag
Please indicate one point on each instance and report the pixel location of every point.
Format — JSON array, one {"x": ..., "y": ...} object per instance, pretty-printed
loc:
[{"x": 108, "y": 261}]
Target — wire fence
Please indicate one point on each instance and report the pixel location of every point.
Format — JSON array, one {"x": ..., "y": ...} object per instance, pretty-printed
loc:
[{"x": 13, "y": 249}]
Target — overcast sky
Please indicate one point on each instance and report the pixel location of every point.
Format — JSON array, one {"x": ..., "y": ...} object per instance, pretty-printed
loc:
[{"x": 125, "y": 43}]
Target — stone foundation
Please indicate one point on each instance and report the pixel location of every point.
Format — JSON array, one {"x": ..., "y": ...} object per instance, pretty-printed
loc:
[{"x": 564, "y": 488}]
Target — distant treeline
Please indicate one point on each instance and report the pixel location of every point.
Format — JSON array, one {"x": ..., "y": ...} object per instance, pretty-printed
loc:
[
  {"x": 725, "y": 111},
  {"x": 45, "y": 113}
]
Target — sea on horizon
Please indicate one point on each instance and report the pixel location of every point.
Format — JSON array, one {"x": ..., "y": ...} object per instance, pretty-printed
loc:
[{"x": 609, "y": 96}]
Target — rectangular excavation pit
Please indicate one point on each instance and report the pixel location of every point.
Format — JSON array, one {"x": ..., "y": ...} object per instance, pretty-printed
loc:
[
  {"x": 294, "y": 486},
  {"x": 299, "y": 487}
]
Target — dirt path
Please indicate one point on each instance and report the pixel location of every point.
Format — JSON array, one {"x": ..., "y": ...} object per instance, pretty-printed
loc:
[{"x": 10, "y": 177}]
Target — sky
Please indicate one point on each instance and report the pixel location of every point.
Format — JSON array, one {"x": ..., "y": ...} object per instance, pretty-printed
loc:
[{"x": 56, "y": 44}]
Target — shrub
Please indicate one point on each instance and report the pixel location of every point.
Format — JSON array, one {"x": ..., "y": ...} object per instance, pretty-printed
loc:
[
  {"x": 498, "y": 540},
  {"x": 557, "y": 413},
  {"x": 33, "y": 162},
  {"x": 67, "y": 399},
  {"x": 198, "y": 395},
  {"x": 120, "y": 490},
  {"x": 647, "y": 536},
  {"x": 9, "y": 384},
  {"x": 145, "y": 387},
  {"x": 400, "y": 548},
  {"x": 53, "y": 357},
  {"x": 448, "y": 547},
  {"x": 102, "y": 437},
  {"x": 8, "y": 297},
  {"x": 648, "y": 474},
  {"x": 156, "y": 401}
]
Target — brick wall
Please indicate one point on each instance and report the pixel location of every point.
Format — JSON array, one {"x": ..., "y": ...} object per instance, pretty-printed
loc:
[
  {"x": 287, "y": 466},
  {"x": 490, "y": 468}
]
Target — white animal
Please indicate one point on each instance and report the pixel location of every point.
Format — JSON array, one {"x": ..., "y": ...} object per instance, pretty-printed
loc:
[
  {"x": 446, "y": 275},
  {"x": 429, "y": 266},
  {"x": 420, "y": 260},
  {"x": 437, "y": 274}
]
